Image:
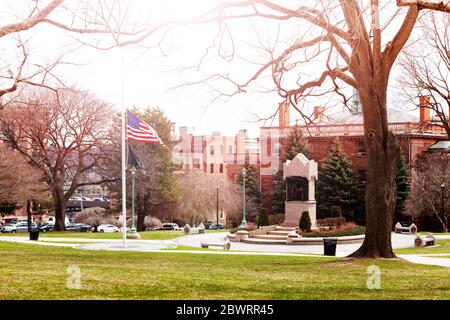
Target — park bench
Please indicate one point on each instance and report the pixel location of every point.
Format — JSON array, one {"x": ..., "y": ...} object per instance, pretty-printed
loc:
[
  {"x": 405, "y": 227},
  {"x": 226, "y": 245},
  {"x": 187, "y": 229},
  {"x": 427, "y": 241}
]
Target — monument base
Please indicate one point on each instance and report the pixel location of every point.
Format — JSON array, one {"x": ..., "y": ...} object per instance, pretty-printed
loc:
[{"x": 293, "y": 212}]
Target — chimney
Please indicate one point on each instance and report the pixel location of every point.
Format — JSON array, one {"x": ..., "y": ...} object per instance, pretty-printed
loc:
[
  {"x": 183, "y": 131},
  {"x": 319, "y": 112},
  {"x": 284, "y": 118},
  {"x": 424, "y": 106}
]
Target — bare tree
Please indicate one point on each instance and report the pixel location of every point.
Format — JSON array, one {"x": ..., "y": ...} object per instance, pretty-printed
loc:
[
  {"x": 100, "y": 24},
  {"x": 65, "y": 136},
  {"x": 19, "y": 182},
  {"x": 344, "y": 43},
  {"x": 197, "y": 201},
  {"x": 430, "y": 190},
  {"x": 426, "y": 66}
]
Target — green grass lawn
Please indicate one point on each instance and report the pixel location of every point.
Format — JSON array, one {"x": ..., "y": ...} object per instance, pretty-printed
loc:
[
  {"x": 40, "y": 272},
  {"x": 424, "y": 233},
  {"x": 442, "y": 246},
  {"x": 146, "y": 235}
]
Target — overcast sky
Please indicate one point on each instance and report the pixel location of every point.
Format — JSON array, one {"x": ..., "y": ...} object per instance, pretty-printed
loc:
[{"x": 149, "y": 78}]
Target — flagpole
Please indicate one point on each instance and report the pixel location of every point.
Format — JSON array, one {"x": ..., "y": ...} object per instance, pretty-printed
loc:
[{"x": 124, "y": 165}]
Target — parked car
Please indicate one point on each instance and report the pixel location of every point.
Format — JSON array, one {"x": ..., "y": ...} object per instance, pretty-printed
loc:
[
  {"x": 45, "y": 227},
  {"x": 216, "y": 226},
  {"x": 207, "y": 225},
  {"x": 169, "y": 226},
  {"x": 107, "y": 228},
  {"x": 52, "y": 220},
  {"x": 99, "y": 199},
  {"x": 79, "y": 227},
  {"x": 18, "y": 227}
]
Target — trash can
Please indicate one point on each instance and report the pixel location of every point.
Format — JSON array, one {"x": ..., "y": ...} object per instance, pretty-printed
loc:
[
  {"x": 329, "y": 246},
  {"x": 34, "y": 234}
]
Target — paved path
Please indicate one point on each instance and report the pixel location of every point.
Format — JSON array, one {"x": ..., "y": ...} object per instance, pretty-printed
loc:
[
  {"x": 427, "y": 259},
  {"x": 342, "y": 250}
]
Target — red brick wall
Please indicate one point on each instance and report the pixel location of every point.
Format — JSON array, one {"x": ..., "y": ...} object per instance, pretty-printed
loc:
[{"x": 411, "y": 146}]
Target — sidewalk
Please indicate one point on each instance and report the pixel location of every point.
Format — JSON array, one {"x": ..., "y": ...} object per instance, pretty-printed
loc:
[
  {"x": 343, "y": 250},
  {"x": 427, "y": 259}
]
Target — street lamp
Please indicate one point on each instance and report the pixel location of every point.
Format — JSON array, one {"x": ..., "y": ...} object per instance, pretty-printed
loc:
[
  {"x": 442, "y": 199},
  {"x": 217, "y": 200},
  {"x": 132, "y": 233},
  {"x": 243, "y": 225}
]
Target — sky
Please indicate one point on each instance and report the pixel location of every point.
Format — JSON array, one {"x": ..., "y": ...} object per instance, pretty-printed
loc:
[{"x": 149, "y": 77}]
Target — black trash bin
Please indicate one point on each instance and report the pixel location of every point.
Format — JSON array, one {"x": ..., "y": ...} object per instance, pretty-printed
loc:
[
  {"x": 329, "y": 246},
  {"x": 34, "y": 234}
]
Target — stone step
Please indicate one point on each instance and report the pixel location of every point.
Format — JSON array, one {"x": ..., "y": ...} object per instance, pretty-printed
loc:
[
  {"x": 279, "y": 233},
  {"x": 264, "y": 241},
  {"x": 270, "y": 237},
  {"x": 278, "y": 228}
]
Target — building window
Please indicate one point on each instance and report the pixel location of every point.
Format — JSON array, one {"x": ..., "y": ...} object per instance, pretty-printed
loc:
[
  {"x": 211, "y": 150},
  {"x": 196, "y": 163},
  {"x": 230, "y": 149},
  {"x": 221, "y": 168},
  {"x": 211, "y": 168},
  {"x": 221, "y": 215},
  {"x": 362, "y": 178},
  {"x": 221, "y": 149},
  {"x": 269, "y": 147},
  {"x": 361, "y": 148}
]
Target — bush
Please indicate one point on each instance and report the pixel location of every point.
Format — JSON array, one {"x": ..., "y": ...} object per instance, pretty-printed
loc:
[
  {"x": 152, "y": 222},
  {"x": 263, "y": 218},
  {"x": 347, "y": 229},
  {"x": 305, "y": 222},
  {"x": 91, "y": 216},
  {"x": 336, "y": 211},
  {"x": 276, "y": 219},
  {"x": 95, "y": 217},
  {"x": 330, "y": 223}
]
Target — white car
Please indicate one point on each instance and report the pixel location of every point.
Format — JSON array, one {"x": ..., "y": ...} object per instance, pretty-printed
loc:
[
  {"x": 170, "y": 226},
  {"x": 107, "y": 228}
]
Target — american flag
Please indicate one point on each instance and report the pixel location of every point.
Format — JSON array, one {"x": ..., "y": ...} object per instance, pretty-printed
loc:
[{"x": 138, "y": 130}]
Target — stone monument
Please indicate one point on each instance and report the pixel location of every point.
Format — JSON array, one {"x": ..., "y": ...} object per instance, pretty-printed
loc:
[{"x": 300, "y": 175}]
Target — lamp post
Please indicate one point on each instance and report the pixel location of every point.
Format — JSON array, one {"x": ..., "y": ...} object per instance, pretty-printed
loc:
[
  {"x": 217, "y": 200},
  {"x": 442, "y": 199},
  {"x": 243, "y": 225},
  {"x": 132, "y": 233}
]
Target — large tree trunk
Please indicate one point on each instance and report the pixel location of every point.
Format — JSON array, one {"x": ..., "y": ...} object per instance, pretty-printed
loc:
[
  {"x": 381, "y": 192},
  {"x": 140, "y": 222},
  {"x": 140, "y": 212},
  {"x": 60, "y": 210},
  {"x": 29, "y": 209}
]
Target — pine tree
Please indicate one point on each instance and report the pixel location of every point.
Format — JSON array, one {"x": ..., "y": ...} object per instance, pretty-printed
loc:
[
  {"x": 294, "y": 144},
  {"x": 305, "y": 222},
  {"x": 263, "y": 218},
  {"x": 337, "y": 184},
  {"x": 279, "y": 193},
  {"x": 252, "y": 190},
  {"x": 403, "y": 188}
]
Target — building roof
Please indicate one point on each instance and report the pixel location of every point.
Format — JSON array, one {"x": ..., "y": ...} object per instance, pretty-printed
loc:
[
  {"x": 344, "y": 115},
  {"x": 440, "y": 146}
]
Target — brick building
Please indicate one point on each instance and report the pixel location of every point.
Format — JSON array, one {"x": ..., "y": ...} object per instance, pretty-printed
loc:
[
  {"x": 224, "y": 155},
  {"x": 415, "y": 135},
  {"x": 215, "y": 154}
]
